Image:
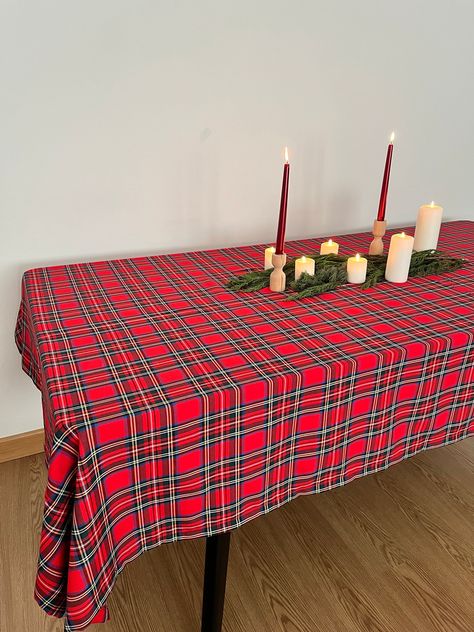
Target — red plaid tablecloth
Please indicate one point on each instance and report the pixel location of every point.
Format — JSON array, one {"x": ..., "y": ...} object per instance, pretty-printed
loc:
[{"x": 174, "y": 408}]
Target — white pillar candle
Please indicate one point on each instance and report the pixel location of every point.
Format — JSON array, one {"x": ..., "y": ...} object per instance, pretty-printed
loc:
[
  {"x": 268, "y": 257},
  {"x": 356, "y": 269},
  {"x": 329, "y": 247},
  {"x": 304, "y": 264},
  {"x": 399, "y": 257},
  {"x": 427, "y": 227}
]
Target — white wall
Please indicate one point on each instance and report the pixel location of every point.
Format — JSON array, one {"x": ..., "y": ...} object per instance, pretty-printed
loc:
[{"x": 150, "y": 126}]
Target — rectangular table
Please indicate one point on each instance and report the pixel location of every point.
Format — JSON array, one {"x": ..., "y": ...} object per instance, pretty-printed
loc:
[{"x": 174, "y": 408}]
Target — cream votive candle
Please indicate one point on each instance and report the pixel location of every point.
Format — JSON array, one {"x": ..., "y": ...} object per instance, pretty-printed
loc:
[
  {"x": 356, "y": 269},
  {"x": 399, "y": 258},
  {"x": 268, "y": 257},
  {"x": 329, "y": 247},
  {"x": 304, "y": 264},
  {"x": 427, "y": 228}
]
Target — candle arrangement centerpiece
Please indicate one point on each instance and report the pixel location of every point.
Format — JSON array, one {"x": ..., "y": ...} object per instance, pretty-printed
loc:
[
  {"x": 327, "y": 270},
  {"x": 333, "y": 271}
]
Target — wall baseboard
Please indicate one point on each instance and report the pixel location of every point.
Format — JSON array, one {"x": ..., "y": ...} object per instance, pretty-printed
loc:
[{"x": 20, "y": 445}]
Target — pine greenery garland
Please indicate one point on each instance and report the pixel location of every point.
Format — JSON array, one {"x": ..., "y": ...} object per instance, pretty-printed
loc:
[{"x": 330, "y": 273}]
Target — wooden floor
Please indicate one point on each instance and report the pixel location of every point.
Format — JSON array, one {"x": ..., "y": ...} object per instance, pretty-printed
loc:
[{"x": 390, "y": 552}]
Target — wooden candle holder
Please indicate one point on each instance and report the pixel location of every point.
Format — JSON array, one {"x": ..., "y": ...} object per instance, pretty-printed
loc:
[
  {"x": 378, "y": 231},
  {"x": 278, "y": 277}
]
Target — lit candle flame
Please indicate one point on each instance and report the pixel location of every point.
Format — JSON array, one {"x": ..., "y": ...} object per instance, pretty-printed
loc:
[
  {"x": 432, "y": 203},
  {"x": 330, "y": 242},
  {"x": 286, "y": 154},
  {"x": 303, "y": 259},
  {"x": 357, "y": 257},
  {"x": 272, "y": 249},
  {"x": 392, "y": 137},
  {"x": 402, "y": 234}
]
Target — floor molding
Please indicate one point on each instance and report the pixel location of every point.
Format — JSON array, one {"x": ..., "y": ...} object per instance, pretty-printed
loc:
[{"x": 20, "y": 445}]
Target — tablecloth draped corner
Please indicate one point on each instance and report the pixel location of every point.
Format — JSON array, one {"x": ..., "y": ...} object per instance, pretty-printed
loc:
[{"x": 174, "y": 408}]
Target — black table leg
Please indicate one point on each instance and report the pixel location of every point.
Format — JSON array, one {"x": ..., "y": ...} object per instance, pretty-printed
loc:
[{"x": 215, "y": 574}]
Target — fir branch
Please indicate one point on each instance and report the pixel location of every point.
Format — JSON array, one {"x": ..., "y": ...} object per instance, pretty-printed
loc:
[
  {"x": 429, "y": 262},
  {"x": 324, "y": 280},
  {"x": 250, "y": 281},
  {"x": 374, "y": 276}
]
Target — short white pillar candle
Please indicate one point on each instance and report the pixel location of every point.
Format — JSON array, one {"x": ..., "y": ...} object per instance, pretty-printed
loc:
[
  {"x": 356, "y": 269},
  {"x": 399, "y": 258},
  {"x": 329, "y": 247},
  {"x": 268, "y": 257},
  {"x": 304, "y": 264},
  {"x": 427, "y": 228}
]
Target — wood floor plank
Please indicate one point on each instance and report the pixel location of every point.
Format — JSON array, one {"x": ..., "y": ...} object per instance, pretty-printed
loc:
[
  {"x": 438, "y": 524},
  {"x": 457, "y": 492},
  {"x": 337, "y": 568},
  {"x": 392, "y": 565},
  {"x": 267, "y": 562},
  {"x": 432, "y": 563},
  {"x": 391, "y": 552}
]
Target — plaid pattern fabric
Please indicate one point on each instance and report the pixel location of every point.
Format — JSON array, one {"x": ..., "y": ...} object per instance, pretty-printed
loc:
[{"x": 176, "y": 409}]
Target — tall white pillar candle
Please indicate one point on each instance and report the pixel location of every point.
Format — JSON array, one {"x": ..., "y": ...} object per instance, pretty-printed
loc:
[
  {"x": 329, "y": 247},
  {"x": 399, "y": 257},
  {"x": 427, "y": 227},
  {"x": 356, "y": 269},
  {"x": 268, "y": 257},
  {"x": 304, "y": 264}
]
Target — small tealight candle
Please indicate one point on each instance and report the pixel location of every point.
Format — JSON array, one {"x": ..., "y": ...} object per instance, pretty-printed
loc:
[
  {"x": 268, "y": 257},
  {"x": 356, "y": 269},
  {"x": 427, "y": 228},
  {"x": 399, "y": 258},
  {"x": 304, "y": 264},
  {"x": 329, "y": 247}
]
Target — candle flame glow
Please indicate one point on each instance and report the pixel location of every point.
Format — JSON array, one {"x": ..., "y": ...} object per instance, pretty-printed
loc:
[
  {"x": 330, "y": 242},
  {"x": 432, "y": 203},
  {"x": 286, "y": 154},
  {"x": 272, "y": 249},
  {"x": 402, "y": 234},
  {"x": 357, "y": 257},
  {"x": 392, "y": 137}
]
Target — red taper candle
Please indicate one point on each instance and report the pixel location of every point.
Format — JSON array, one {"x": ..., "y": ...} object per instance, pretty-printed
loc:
[
  {"x": 386, "y": 178},
  {"x": 280, "y": 240}
]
